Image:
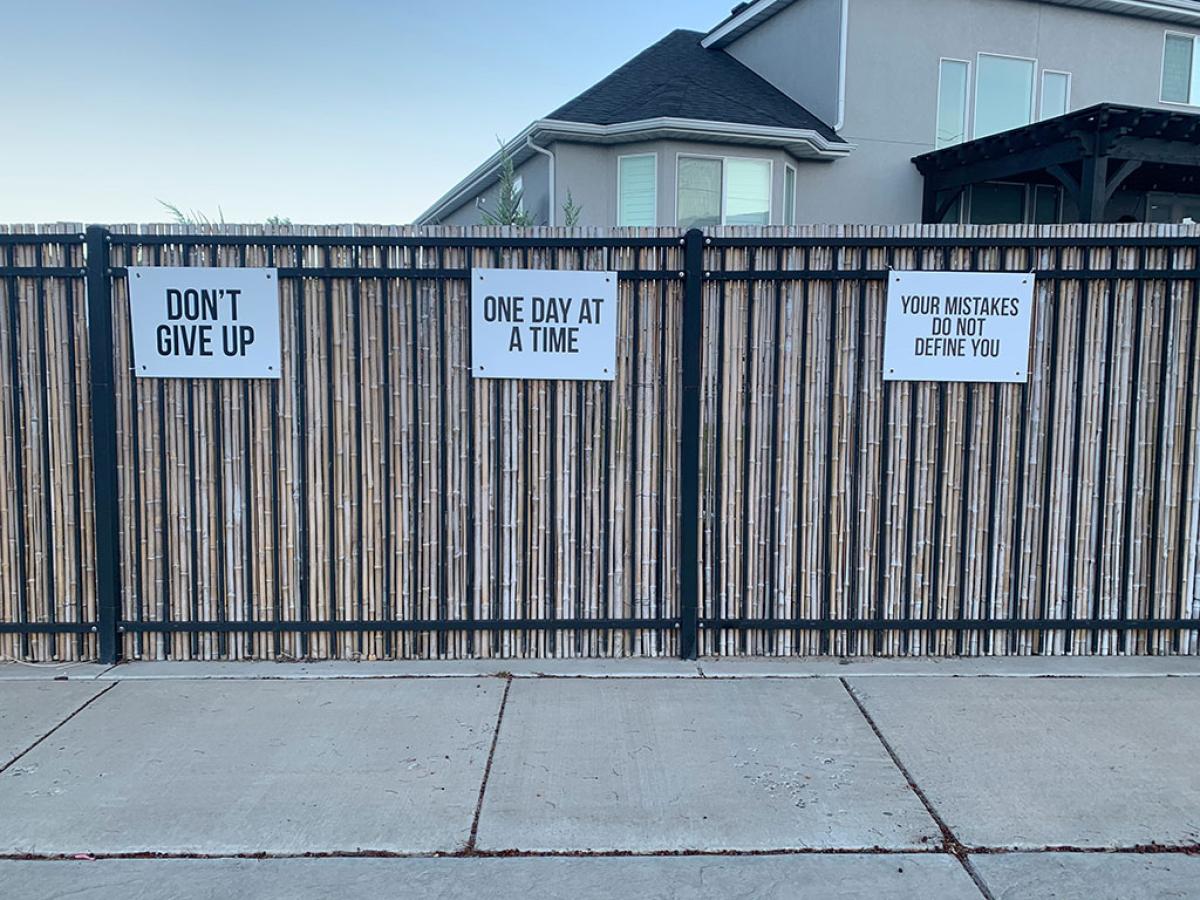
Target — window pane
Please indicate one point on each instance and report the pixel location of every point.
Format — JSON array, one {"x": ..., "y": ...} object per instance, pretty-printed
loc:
[
  {"x": 1194, "y": 91},
  {"x": 789, "y": 196},
  {"x": 636, "y": 192},
  {"x": 1045, "y": 205},
  {"x": 952, "y": 103},
  {"x": 1177, "y": 69},
  {"x": 998, "y": 204},
  {"x": 519, "y": 192},
  {"x": 698, "y": 199},
  {"x": 1003, "y": 94},
  {"x": 953, "y": 213},
  {"x": 747, "y": 192},
  {"x": 1056, "y": 88}
]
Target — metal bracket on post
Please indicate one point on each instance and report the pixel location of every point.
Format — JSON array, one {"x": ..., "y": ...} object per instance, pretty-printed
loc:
[
  {"x": 689, "y": 444},
  {"x": 104, "y": 442}
]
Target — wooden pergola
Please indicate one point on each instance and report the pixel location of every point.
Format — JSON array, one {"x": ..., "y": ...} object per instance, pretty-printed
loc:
[{"x": 1091, "y": 153}]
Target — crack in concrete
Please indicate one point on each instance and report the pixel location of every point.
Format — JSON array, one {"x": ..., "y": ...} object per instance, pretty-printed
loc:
[
  {"x": 487, "y": 770},
  {"x": 950, "y": 842},
  {"x": 12, "y": 762}
]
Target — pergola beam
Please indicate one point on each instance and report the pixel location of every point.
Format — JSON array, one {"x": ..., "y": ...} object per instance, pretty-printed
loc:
[
  {"x": 1081, "y": 150},
  {"x": 1018, "y": 163}
]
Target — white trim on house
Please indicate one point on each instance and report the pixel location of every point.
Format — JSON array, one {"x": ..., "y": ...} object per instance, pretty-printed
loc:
[
  {"x": 803, "y": 143},
  {"x": 968, "y": 106},
  {"x": 1041, "y": 110},
  {"x": 1180, "y": 11},
  {"x": 788, "y": 167},
  {"x": 732, "y": 29},
  {"x": 1191, "y": 102},
  {"x": 845, "y": 44}
]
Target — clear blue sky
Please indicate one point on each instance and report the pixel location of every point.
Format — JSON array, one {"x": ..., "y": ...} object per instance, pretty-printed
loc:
[{"x": 318, "y": 110}]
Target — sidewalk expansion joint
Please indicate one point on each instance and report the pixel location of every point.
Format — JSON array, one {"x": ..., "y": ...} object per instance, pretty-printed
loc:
[
  {"x": 475, "y": 854},
  {"x": 950, "y": 842},
  {"x": 595, "y": 853},
  {"x": 487, "y": 769},
  {"x": 589, "y": 854},
  {"x": 12, "y": 762},
  {"x": 1136, "y": 849}
]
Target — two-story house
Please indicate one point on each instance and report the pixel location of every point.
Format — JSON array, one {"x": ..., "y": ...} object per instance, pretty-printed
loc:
[{"x": 878, "y": 111}]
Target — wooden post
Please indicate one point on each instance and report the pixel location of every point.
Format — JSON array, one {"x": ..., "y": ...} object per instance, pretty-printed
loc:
[
  {"x": 928, "y": 204},
  {"x": 1093, "y": 193}
]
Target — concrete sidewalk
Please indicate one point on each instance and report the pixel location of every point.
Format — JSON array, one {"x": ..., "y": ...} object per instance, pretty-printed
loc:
[{"x": 802, "y": 780}]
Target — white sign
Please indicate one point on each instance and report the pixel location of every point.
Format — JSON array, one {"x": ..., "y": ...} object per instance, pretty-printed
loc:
[
  {"x": 540, "y": 323},
  {"x": 204, "y": 322},
  {"x": 958, "y": 326}
]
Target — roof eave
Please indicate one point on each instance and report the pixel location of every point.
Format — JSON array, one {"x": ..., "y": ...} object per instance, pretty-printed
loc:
[
  {"x": 809, "y": 142},
  {"x": 728, "y": 31},
  {"x": 733, "y": 27},
  {"x": 803, "y": 143},
  {"x": 479, "y": 179},
  {"x": 1159, "y": 10}
]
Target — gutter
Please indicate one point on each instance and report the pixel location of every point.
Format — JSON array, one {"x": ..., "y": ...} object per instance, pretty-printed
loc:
[
  {"x": 818, "y": 146},
  {"x": 550, "y": 156}
]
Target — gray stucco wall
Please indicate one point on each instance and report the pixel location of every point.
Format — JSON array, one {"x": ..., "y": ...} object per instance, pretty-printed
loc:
[
  {"x": 892, "y": 81},
  {"x": 535, "y": 174},
  {"x": 798, "y": 51},
  {"x": 589, "y": 172}
]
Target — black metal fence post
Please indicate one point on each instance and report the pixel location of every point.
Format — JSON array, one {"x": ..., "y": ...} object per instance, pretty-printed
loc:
[
  {"x": 104, "y": 441},
  {"x": 690, "y": 448}
]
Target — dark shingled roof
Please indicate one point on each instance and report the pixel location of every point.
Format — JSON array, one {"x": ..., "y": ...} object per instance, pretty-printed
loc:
[{"x": 678, "y": 78}]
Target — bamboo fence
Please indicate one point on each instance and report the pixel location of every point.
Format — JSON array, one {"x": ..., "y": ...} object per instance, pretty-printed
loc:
[
  {"x": 377, "y": 482},
  {"x": 47, "y": 571},
  {"x": 828, "y": 494}
]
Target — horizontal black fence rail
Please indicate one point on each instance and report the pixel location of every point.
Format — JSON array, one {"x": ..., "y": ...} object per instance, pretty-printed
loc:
[{"x": 747, "y": 485}]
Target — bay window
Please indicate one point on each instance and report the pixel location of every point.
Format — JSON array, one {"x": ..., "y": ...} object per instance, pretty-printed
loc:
[
  {"x": 637, "y": 190},
  {"x": 722, "y": 191}
]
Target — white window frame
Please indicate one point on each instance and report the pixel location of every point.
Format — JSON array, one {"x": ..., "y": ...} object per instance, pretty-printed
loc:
[
  {"x": 1070, "y": 87},
  {"x": 680, "y": 154},
  {"x": 1034, "y": 86},
  {"x": 621, "y": 159},
  {"x": 1192, "y": 103},
  {"x": 968, "y": 106},
  {"x": 788, "y": 167}
]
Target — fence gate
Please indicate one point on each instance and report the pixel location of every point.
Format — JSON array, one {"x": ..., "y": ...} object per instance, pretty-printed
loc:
[{"x": 747, "y": 485}]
